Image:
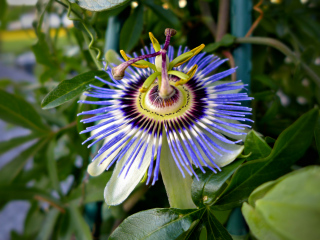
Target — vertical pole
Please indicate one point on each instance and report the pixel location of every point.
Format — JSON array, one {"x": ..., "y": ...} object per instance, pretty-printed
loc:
[{"x": 240, "y": 24}]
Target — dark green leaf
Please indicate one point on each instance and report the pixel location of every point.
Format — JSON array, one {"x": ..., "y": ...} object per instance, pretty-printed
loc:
[
  {"x": 11, "y": 170},
  {"x": 289, "y": 147},
  {"x": 264, "y": 79},
  {"x": 317, "y": 134},
  {"x": 132, "y": 29},
  {"x": 272, "y": 111},
  {"x": 42, "y": 52},
  {"x": 163, "y": 14},
  {"x": 34, "y": 220},
  {"x": 15, "y": 110},
  {"x": 7, "y": 145},
  {"x": 81, "y": 228},
  {"x": 97, "y": 6},
  {"x": 210, "y": 184},
  {"x": 48, "y": 225},
  {"x": 215, "y": 230},
  {"x": 20, "y": 192},
  {"x": 52, "y": 167},
  {"x": 226, "y": 41},
  {"x": 91, "y": 191},
  {"x": 3, "y": 9},
  {"x": 156, "y": 224},
  {"x": 68, "y": 89},
  {"x": 255, "y": 145}
]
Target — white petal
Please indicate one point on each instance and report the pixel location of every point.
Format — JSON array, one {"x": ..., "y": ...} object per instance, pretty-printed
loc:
[{"x": 119, "y": 188}]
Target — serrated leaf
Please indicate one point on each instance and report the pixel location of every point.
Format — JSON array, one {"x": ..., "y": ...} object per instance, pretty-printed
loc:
[
  {"x": 99, "y": 5},
  {"x": 163, "y": 14},
  {"x": 68, "y": 89},
  {"x": 16, "y": 110},
  {"x": 255, "y": 145},
  {"x": 7, "y": 145},
  {"x": 132, "y": 29},
  {"x": 210, "y": 184},
  {"x": 156, "y": 224},
  {"x": 11, "y": 170},
  {"x": 289, "y": 147}
]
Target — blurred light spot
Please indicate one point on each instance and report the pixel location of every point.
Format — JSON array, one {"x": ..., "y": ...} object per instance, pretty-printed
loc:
[
  {"x": 302, "y": 100},
  {"x": 165, "y": 5},
  {"x": 288, "y": 60},
  {"x": 317, "y": 61},
  {"x": 284, "y": 99},
  {"x": 305, "y": 82},
  {"x": 21, "y": 2},
  {"x": 303, "y": 1},
  {"x": 134, "y": 4},
  {"x": 276, "y": 1},
  {"x": 182, "y": 3}
]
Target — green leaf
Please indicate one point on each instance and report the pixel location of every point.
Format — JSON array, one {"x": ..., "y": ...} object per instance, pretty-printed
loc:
[
  {"x": 42, "y": 52},
  {"x": 289, "y": 147},
  {"x": 163, "y": 14},
  {"x": 16, "y": 110},
  {"x": 68, "y": 89},
  {"x": 227, "y": 41},
  {"x": 255, "y": 145},
  {"x": 48, "y": 225},
  {"x": 7, "y": 145},
  {"x": 81, "y": 228},
  {"x": 156, "y": 224},
  {"x": 11, "y": 170},
  {"x": 96, "y": 6},
  {"x": 132, "y": 29},
  {"x": 3, "y": 9},
  {"x": 215, "y": 230},
  {"x": 90, "y": 191},
  {"x": 20, "y": 192},
  {"x": 317, "y": 134},
  {"x": 210, "y": 184},
  {"x": 52, "y": 167},
  {"x": 278, "y": 208},
  {"x": 266, "y": 80}
]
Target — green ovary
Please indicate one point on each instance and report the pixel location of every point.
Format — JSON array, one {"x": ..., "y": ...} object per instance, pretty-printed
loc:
[{"x": 158, "y": 109}]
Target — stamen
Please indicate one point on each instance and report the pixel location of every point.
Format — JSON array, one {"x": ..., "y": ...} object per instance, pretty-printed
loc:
[{"x": 190, "y": 74}]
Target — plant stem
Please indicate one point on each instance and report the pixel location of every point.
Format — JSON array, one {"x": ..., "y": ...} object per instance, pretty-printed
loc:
[
  {"x": 285, "y": 50},
  {"x": 207, "y": 17}
]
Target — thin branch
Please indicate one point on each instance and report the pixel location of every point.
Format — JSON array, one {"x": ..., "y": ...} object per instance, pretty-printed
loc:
[
  {"x": 223, "y": 19},
  {"x": 40, "y": 198},
  {"x": 285, "y": 50}
]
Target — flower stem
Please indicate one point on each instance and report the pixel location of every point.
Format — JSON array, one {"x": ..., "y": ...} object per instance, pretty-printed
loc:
[{"x": 285, "y": 50}]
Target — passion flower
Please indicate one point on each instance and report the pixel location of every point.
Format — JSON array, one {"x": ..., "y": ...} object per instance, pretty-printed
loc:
[{"x": 164, "y": 108}]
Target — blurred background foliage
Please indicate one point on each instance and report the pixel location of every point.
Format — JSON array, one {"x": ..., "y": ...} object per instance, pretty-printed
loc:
[{"x": 44, "y": 43}]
